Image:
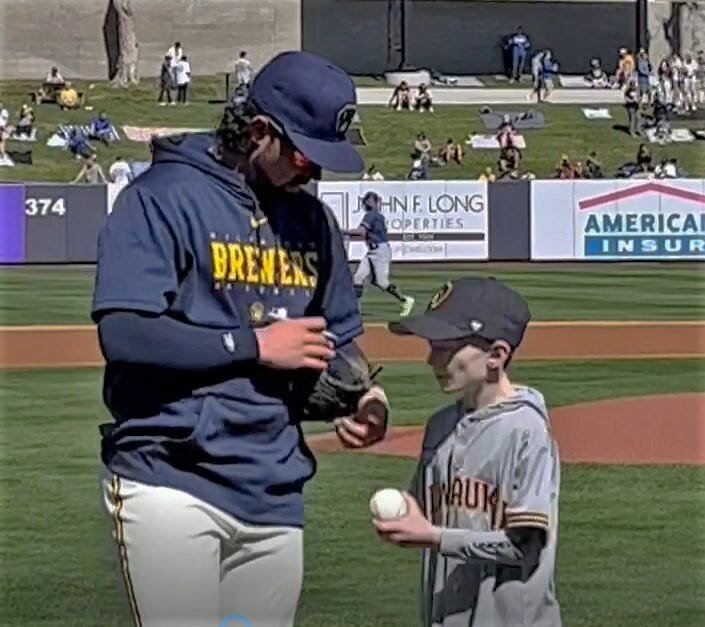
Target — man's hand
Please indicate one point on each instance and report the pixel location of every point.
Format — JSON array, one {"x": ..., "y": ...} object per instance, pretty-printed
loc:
[
  {"x": 413, "y": 531},
  {"x": 293, "y": 344},
  {"x": 369, "y": 424}
]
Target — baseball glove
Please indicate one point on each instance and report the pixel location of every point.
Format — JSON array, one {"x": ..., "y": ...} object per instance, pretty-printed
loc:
[{"x": 337, "y": 391}]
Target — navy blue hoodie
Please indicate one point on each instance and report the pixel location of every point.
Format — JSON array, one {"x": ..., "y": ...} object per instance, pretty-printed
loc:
[{"x": 188, "y": 239}]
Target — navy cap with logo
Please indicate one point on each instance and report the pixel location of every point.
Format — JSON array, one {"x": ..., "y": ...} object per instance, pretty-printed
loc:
[
  {"x": 483, "y": 308},
  {"x": 314, "y": 102}
]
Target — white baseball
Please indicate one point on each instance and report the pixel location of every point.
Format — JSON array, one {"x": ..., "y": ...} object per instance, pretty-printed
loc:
[{"x": 388, "y": 504}]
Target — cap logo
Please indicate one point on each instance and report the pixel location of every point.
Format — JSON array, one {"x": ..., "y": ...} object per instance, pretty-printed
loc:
[
  {"x": 440, "y": 296},
  {"x": 476, "y": 325},
  {"x": 344, "y": 119}
]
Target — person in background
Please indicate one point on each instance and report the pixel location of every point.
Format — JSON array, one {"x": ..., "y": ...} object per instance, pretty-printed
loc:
[
  {"x": 643, "y": 74},
  {"x": 376, "y": 263},
  {"x": 564, "y": 170},
  {"x": 243, "y": 70},
  {"x": 549, "y": 69},
  {"x": 644, "y": 159},
  {"x": 372, "y": 174},
  {"x": 700, "y": 77},
  {"x": 690, "y": 83},
  {"x": 78, "y": 144},
  {"x": 91, "y": 172},
  {"x": 422, "y": 147},
  {"x": 4, "y": 116},
  {"x": 667, "y": 169},
  {"x": 102, "y": 129},
  {"x": 419, "y": 170},
  {"x": 593, "y": 166},
  {"x": 423, "y": 101},
  {"x": 508, "y": 163},
  {"x": 120, "y": 172},
  {"x": 452, "y": 151},
  {"x": 401, "y": 97},
  {"x": 536, "y": 77},
  {"x": 596, "y": 77},
  {"x": 519, "y": 46},
  {"x": 632, "y": 100},
  {"x": 175, "y": 53},
  {"x": 677, "y": 81},
  {"x": 665, "y": 81},
  {"x": 25, "y": 126},
  {"x": 507, "y": 136},
  {"x": 68, "y": 97},
  {"x": 166, "y": 81},
  {"x": 54, "y": 77},
  {"x": 626, "y": 65},
  {"x": 487, "y": 175},
  {"x": 183, "y": 79}
]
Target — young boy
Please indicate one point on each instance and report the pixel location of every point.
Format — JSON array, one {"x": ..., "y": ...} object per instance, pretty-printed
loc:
[{"x": 484, "y": 499}]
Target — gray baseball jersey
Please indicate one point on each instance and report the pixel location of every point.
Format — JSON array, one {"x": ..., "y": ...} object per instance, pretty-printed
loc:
[{"x": 480, "y": 476}]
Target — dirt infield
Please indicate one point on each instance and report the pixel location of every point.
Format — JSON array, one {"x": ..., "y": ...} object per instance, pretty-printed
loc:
[
  {"x": 667, "y": 429},
  {"x": 76, "y": 346}
]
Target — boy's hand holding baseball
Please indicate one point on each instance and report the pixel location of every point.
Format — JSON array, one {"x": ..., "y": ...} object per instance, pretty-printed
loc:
[{"x": 413, "y": 530}]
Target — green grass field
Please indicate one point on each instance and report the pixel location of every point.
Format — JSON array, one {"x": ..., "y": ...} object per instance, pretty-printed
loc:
[
  {"x": 60, "y": 295},
  {"x": 631, "y": 552},
  {"x": 390, "y": 135}
]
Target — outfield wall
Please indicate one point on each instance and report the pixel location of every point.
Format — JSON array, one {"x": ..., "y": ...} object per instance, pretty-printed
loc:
[
  {"x": 606, "y": 220},
  {"x": 36, "y": 34},
  {"x": 465, "y": 37}
]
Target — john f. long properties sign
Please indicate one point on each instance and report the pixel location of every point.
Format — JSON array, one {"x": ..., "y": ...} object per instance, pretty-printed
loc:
[
  {"x": 618, "y": 220},
  {"x": 427, "y": 220}
]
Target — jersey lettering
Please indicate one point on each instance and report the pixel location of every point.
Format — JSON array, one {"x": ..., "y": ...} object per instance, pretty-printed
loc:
[
  {"x": 469, "y": 495},
  {"x": 233, "y": 262}
]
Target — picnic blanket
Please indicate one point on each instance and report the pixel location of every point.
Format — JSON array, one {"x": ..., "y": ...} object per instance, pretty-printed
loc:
[
  {"x": 491, "y": 142},
  {"x": 676, "y": 136},
  {"x": 64, "y": 131},
  {"x": 521, "y": 119},
  {"x": 145, "y": 133},
  {"x": 597, "y": 114},
  {"x": 32, "y": 137}
]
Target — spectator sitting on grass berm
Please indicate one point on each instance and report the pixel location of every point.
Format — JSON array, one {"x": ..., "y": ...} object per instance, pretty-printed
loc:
[
  {"x": 68, "y": 97},
  {"x": 508, "y": 163},
  {"x": 452, "y": 151},
  {"x": 424, "y": 100},
  {"x": 78, "y": 144},
  {"x": 372, "y": 174},
  {"x": 419, "y": 170},
  {"x": 401, "y": 97},
  {"x": 487, "y": 175},
  {"x": 565, "y": 169},
  {"x": 593, "y": 166},
  {"x": 596, "y": 77},
  {"x": 91, "y": 172},
  {"x": 102, "y": 129}
]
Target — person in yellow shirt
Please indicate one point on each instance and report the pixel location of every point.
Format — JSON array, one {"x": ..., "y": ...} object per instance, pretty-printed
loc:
[
  {"x": 68, "y": 98},
  {"x": 488, "y": 175},
  {"x": 625, "y": 67}
]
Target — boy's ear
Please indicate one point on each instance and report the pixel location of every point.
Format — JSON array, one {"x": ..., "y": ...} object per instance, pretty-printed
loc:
[{"x": 499, "y": 355}]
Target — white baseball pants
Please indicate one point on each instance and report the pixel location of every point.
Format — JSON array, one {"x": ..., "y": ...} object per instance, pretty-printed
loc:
[
  {"x": 188, "y": 564},
  {"x": 375, "y": 264}
]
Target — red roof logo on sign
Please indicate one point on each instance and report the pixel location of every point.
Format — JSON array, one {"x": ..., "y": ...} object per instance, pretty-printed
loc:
[{"x": 639, "y": 190}]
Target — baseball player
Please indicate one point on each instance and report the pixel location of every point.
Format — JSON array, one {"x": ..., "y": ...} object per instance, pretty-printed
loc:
[
  {"x": 221, "y": 288},
  {"x": 377, "y": 260},
  {"x": 484, "y": 501}
]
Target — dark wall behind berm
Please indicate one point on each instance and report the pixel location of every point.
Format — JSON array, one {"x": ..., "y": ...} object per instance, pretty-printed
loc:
[{"x": 463, "y": 36}]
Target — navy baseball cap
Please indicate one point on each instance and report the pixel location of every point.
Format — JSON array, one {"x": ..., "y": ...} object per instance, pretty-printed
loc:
[
  {"x": 482, "y": 308},
  {"x": 314, "y": 102}
]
